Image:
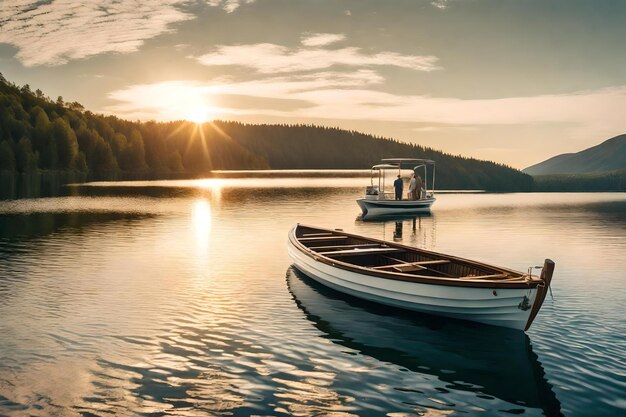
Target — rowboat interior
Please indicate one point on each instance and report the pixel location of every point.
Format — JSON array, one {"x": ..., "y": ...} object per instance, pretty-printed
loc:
[{"x": 402, "y": 261}]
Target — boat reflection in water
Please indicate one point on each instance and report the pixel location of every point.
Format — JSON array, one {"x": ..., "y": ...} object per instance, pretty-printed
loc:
[
  {"x": 486, "y": 360},
  {"x": 419, "y": 229},
  {"x": 385, "y": 218}
]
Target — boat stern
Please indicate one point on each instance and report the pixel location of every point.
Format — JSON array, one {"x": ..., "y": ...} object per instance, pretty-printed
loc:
[{"x": 542, "y": 290}]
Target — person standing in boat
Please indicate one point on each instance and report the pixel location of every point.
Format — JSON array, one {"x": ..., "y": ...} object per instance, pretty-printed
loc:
[
  {"x": 419, "y": 186},
  {"x": 412, "y": 188},
  {"x": 398, "y": 185}
]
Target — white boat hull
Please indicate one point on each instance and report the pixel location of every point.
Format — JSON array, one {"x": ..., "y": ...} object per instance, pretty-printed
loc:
[
  {"x": 383, "y": 207},
  {"x": 505, "y": 307}
]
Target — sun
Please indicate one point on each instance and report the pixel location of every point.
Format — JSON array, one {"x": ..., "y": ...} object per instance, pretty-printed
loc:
[{"x": 200, "y": 114}]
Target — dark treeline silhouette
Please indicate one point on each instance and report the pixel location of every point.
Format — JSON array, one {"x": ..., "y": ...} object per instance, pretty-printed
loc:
[
  {"x": 39, "y": 134},
  {"x": 309, "y": 146},
  {"x": 601, "y": 181}
]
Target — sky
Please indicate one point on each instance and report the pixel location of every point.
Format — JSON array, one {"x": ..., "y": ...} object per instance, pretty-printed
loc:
[{"x": 513, "y": 81}]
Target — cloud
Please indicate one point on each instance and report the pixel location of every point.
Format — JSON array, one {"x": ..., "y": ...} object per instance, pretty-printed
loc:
[
  {"x": 440, "y": 4},
  {"x": 322, "y": 39},
  {"x": 54, "y": 32},
  {"x": 170, "y": 100},
  {"x": 269, "y": 58},
  {"x": 228, "y": 5},
  {"x": 585, "y": 108},
  {"x": 344, "y": 96}
]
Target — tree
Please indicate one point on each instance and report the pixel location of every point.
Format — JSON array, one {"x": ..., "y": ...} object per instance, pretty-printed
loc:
[
  {"x": 118, "y": 144},
  {"x": 81, "y": 162},
  {"x": 25, "y": 158},
  {"x": 134, "y": 155},
  {"x": 76, "y": 106},
  {"x": 41, "y": 133},
  {"x": 17, "y": 128},
  {"x": 67, "y": 144},
  {"x": 50, "y": 155},
  {"x": 7, "y": 158},
  {"x": 87, "y": 140},
  {"x": 175, "y": 162},
  {"x": 104, "y": 162}
]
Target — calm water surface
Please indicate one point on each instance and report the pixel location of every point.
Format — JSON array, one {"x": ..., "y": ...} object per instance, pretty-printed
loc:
[{"x": 177, "y": 298}]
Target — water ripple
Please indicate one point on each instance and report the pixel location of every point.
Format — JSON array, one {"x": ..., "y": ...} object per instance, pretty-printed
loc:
[{"x": 177, "y": 303}]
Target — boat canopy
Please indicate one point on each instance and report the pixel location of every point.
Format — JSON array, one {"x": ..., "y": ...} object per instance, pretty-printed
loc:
[
  {"x": 408, "y": 161},
  {"x": 415, "y": 164},
  {"x": 385, "y": 166}
]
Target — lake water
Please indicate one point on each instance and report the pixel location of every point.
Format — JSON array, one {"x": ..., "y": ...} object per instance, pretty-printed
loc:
[{"x": 177, "y": 298}]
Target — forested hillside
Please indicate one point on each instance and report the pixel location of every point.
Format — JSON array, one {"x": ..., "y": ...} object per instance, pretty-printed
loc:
[
  {"x": 597, "y": 181},
  {"x": 37, "y": 133},
  {"x": 292, "y": 147}
]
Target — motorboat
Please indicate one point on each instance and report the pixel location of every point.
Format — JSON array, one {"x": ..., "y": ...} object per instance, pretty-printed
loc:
[
  {"x": 415, "y": 279},
  {"x": 495, "y": 363},
  {"x": 379, "y": 198}
]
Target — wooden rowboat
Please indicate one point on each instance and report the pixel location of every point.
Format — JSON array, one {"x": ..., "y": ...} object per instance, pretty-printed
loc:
[
  {"x": 500, "y": 363},
  {"x": 415, "y": 279}
]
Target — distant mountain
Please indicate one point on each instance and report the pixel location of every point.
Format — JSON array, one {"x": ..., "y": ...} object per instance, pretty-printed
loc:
[
  {"x": 38, "y": 134},
  {"x": 610, "y": 155}
]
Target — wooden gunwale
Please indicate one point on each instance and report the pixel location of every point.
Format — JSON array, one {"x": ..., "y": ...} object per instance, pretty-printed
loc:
[
  {"x": 399, "y": 276},
  {"x": 491, "y": 276}
]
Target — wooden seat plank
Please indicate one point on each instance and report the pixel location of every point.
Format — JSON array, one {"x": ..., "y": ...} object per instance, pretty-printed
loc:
[
  {"x": 322, "y": 238},
  {"x": 363, "y": 245},
  {"x": 360, "y": 252},
  {"x": 433, "y": 262},
  {"x": 418, "y": 263},
  {"x": 409, "y": 268}
]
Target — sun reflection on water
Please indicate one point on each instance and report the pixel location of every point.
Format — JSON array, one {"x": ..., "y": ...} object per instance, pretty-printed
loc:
[
  {"x": 214, "y": 186},
  {"x": 201, "y": 222}
]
